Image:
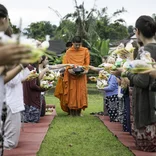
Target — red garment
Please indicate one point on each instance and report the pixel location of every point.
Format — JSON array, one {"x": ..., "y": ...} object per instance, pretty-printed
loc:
[{"x": 32, "y": 92}]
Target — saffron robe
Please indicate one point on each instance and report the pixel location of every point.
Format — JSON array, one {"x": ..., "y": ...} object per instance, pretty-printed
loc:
[
  {"x": 75, "y": 86},
  {"x": 59, "y": 91}
]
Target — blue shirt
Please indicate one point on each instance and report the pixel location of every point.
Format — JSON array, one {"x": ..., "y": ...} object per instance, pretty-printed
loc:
[{"x": 112, "y": 88}]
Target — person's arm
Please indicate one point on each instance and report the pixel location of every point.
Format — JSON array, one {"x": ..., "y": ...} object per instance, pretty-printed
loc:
[
  {"x": 13, "y": 53},
  {"x": 12, "y": 73},
  {"x": 58, "y": 66},
  {"x": 34, "y": 86},
  {"x": 139, "y": 80},
  {"x": 96, "y": 69},
  {"x": 112, "y": 84},
  {"x": 42, "y": 73}
]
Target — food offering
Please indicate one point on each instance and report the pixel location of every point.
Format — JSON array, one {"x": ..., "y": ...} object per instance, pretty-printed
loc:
[
  {"x": 93, "y": 78},
  {"x": 46, "y": 84},
  {"x": 125, "y": 52},
  {"x": 49, "y": 79},
  {"x": 33, "y": 74},
  {"x": 138, "y": 67},
  {"x": 101, "y": 83},
  {"x": 107, "y": 66},
  {"x": 36, "y": 50},
  {"x": 102, "y": 79},
  {"x": 51, "y": 75}
]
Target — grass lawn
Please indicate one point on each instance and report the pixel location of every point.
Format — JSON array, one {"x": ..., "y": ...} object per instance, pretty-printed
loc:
[{"x": 80, "y": 136}]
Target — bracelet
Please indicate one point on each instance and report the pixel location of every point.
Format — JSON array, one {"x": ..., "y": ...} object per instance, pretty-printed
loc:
[{"x": 21, "y": 65}]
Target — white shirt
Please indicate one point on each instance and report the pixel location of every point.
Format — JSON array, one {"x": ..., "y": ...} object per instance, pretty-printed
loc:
[{"x": 14, "y": 91}]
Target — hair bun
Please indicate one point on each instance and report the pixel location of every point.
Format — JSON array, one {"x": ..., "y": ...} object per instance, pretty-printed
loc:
[{"x": 151, "y": 26}]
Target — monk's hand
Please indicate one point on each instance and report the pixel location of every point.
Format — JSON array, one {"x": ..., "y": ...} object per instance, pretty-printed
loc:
[
  {"x": 83, "y": 73},
  {"x": 71, "y": 71}
]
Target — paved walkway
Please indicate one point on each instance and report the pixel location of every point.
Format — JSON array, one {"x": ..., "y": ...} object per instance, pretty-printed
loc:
[
  {"x": 124, "y": 137},
  {"x": 32, "y": 135}
]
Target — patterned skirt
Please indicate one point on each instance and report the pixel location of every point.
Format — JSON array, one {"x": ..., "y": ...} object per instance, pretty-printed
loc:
[
  {"x": 145, "y": 138},
  {"x": 31, "y": 114},
  {"x": 121, "y": 110},
  {"x": 112, "y": 105}
]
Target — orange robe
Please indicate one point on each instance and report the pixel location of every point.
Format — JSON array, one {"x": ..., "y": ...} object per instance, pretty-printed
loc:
[
  {"x": 59, "y": 91},
  {"x": 75, "y": 87}
]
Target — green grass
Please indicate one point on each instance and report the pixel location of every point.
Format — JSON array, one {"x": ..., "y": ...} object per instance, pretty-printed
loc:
[{"x": 80, "y": 136}]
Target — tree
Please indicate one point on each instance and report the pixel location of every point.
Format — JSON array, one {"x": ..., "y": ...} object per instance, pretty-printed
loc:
[
  {"x": 83, "y": 19},
  {"x": 130, "y": 30},
  {"x": 106, "y": 29},
  {"x": 15, "y": 29},
  {"x": 66, "y": 30},
  {"x": 40, "y": 29}
]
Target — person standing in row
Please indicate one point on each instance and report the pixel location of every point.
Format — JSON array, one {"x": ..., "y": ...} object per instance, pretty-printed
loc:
[{"x": 75, "y": 86}]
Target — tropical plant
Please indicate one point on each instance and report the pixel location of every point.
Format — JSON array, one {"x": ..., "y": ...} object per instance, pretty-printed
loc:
[
  {"x": 83, "y": 19},
  {"x": 98, "y": 50},
  {"x": 40, "y": 29},
  {"x": 66, "y": 30}
]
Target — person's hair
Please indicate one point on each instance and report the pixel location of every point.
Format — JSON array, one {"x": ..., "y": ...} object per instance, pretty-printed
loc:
[
  {"x": 146, "y": 25},
  {"x": 42, "y": 59},
  {"x": 68, "y": 44},
  {"x": 3, "y": 11},
  {"x": 9, "y": 31},
  {"x": 36, "y": 65},
  {"x": 77, "y": 39},
  {"x": 140, "y": 43},
  {"x": 135, "y": 52}
]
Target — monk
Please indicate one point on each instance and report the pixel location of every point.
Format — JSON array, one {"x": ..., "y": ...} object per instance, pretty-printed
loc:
[
  {"x": 75, "y": 86},
  {"x": 59, "y": 90}
]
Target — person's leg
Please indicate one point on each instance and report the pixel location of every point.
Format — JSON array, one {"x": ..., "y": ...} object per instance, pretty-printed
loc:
[
  {"x": 34, "y": 114},
  {"x": 26, "y": 113},
  {"x": 12, "y": 129},
  {"x": 43, "y": 105}
]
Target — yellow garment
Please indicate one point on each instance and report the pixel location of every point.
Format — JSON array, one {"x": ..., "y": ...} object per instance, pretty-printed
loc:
[{"x": 75, "y": 87}]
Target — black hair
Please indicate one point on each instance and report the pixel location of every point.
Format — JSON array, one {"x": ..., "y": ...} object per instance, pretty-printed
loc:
[
  {"x": 36, "y": 65},
  {"x": 77, "y": 39},
  {"x": 140, "y": 43},
  {"x": 9, "y": 31},
  {"x": 146, "y": 25},
  {"x": 135, "y": 52},
  {"x": 42, "y": 59},
  {"x": 68, "y": 44},
  {"x": 3, "y": 11}
]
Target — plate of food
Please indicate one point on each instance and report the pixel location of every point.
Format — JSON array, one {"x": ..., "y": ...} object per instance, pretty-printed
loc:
[
  {"x": 138, "y": 67},
  {"x": 101, "y": 83}
]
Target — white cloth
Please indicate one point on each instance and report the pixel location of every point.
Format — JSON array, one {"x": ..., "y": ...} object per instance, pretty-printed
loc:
[
  {"x": 14, "y": 91},
  {"x": 120, "y": 94},
  {"x": 12, "y": 129}
]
